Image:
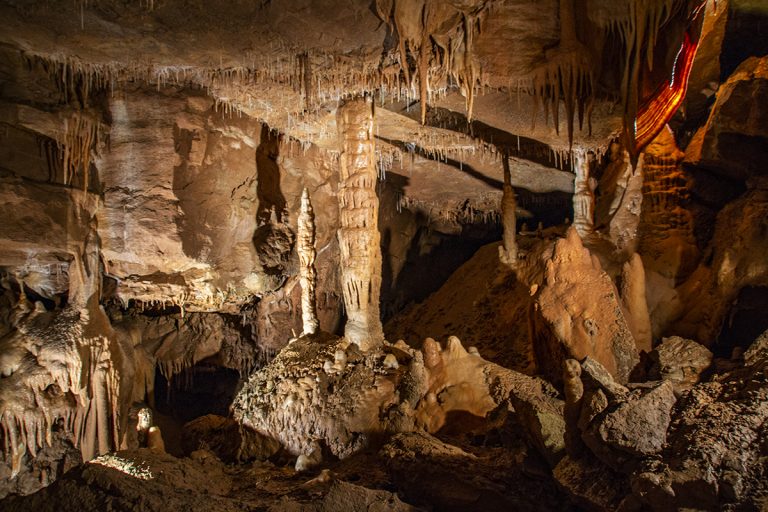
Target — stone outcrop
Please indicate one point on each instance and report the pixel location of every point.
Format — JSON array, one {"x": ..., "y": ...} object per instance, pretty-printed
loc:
[
  {"x": 309, "y": 394},
  {"x": 715, "y": 452},
  {"x": 737, "y": 261}
]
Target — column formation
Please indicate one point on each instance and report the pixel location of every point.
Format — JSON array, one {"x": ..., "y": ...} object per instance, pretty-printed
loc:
[
  {"x": 583, "y": 196},
  {"x": 359, "y": 238},
  {"x": 508, "y": 251},
  {"x": 305, "y": 245}
]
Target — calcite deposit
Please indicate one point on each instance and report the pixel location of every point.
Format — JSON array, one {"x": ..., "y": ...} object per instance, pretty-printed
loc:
[{"x": 400, "y": 255}]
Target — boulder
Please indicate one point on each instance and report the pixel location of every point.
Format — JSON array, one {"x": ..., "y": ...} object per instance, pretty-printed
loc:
[
  {"x": 636, "y": 426},
  {"x": 716, "y": 454},
  {"x": 590, "y": 484},
  {"x": 679, "y": 361},
  {"x": 450, "y": 478},
  {"x": 347, "y": 496},
  {"x": 596, "y": 377}
]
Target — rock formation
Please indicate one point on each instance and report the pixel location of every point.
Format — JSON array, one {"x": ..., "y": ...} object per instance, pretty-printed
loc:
[
  {"x": 359, "y": 234},
  {"x": 572, "y": 321},
  {"x": 633, "y": 297},
  {"x": 305, "y": 247},
  {"x": 583, "y": 196},
  {"x": 508, "y": 251}
]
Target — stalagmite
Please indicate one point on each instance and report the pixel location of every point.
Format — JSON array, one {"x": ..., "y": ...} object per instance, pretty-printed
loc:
[
  {"x": 583, "y": 196},
  {"x": 634, "y": 302},
  {"x": 359, "y": 238},
  {"x": 305, "y": 244},
  {"x": 508, "y": 251},
  {"x": 155, "y": 439},
  {"x": 573, "y": 390}
]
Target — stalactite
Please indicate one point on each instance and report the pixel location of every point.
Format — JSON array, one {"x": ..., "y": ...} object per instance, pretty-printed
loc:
[
  {"x": 639, "y": 30},
  {"x": 568, "y": 74},
  {"x": 440, "y": 37},
  {"x": 305, "y": 246},
  {"x": 359, "y": 235},
  {"x": 82, "y": 135}
]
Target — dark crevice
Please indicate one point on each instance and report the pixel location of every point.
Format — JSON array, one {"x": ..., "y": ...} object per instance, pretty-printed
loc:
[{"x": 745, "y": 322}]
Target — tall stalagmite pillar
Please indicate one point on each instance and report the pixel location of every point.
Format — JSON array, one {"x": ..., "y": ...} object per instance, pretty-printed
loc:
[
  {"x": 307, "y": 254},
  {"x": 359, "y": 238},
  {"x": 583, "y": 196},
  {"x": 508, "y": 251}
]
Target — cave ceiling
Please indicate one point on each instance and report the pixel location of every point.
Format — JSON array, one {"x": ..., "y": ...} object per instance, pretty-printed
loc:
[{"x": 289, "y": 63}]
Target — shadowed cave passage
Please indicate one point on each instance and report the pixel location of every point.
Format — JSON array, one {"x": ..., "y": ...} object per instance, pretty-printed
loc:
[
  {"x": 745, "y": 322},
  {"x": 201, "y": 389},
  {"x": 268, "y": 190}
]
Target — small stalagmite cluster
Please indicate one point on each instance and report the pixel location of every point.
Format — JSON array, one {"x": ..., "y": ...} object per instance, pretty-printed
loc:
[{"x": 403, "y": 255}]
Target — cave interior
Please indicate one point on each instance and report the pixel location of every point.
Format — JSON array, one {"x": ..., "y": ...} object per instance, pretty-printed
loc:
[{"x": 369, "y": 255}]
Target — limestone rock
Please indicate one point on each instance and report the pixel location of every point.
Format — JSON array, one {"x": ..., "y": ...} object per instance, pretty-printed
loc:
[
  {"x": 737, "y": 261},
  {"x": 716, "y": 455},
  {"x": 620, "y": 201},
  {"x": 591, "y": 484},
  {"x": 295, "y": 401},
  {"x": 636, "y": 426},
  {"x": 347, "y": 496},
  {"x": 51, "y": 462},
  {"x": 633, "y": 300},
  {"x": 666, "y": 232},
  {"x": 596, "y": 377},
  {"x": 447, "y": 477},
  {"x": 540, "y": 414},
  {"x": 309, "y": 460},
  {"x": 155, "y": 439},
  {"x": 680, "y": 361}
]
